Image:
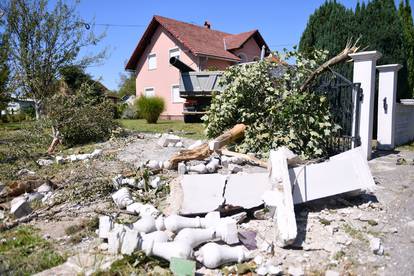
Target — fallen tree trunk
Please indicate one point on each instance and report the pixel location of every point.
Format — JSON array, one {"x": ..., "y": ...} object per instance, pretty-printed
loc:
[
  {"x": 349, "y": 49},
  {"x": 205, "y": 150}
]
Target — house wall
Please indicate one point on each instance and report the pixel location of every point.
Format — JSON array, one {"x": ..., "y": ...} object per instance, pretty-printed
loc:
[
  {"x": 165, "y": 75},
  {"x": 250, "y": 49},
  {"x": 404, "y": 124},
  {"x": 217, "y": 64}
]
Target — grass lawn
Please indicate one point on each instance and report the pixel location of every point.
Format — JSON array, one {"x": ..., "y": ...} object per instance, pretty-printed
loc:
[{"x": 194, "y": 131}]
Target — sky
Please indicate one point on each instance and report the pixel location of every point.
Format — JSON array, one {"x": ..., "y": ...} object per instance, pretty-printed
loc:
[{"x": 281, "y": 23}]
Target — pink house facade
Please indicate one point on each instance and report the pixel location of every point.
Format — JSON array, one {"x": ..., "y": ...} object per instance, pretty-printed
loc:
[{"x": 199, "y": 47}]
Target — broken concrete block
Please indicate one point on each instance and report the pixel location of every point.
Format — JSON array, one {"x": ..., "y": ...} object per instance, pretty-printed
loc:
[
  {"x": 130, "y": 241},
  {"x": 34, "y": 196},
  {"x": 135, "y": 207},
  {"x": 213, "y": 165},
  {"x": 225, "y": 160},
  {"x": 286, "y": 229},
  {"x": 156, "y": 182},
  {"x": 202, "y": 193},
  {"x": 168, "y": 250},
  {"x": 182, "y": 168},
  {"x": 153, "y": 165},
  {"x": 237, "y": 160},
  {"x": 226, "y": 230},
  {"x": 122, "y": 198},
  {"x": 115, "y": 237},
  {"x": 167, "y": 139},
  {"x": 196, "y": 144},
  {"x": 44, "y": 188},
  {"x": 376, "y": 246},
  {"x": 23, "y": 172},
  {"x": 179, "y": 144},
  {"x": 200, "y": 168},
  {"x": 105, "y": 226},
  {"x": 60, "y": 159},
  {"x": 240, "y": 192},
  {"x": 96, "y": 153},
  {"x": 129, "y": 181},
  {"x": 44, "y": 162},
  {"x": 117, "y": 181},
  {"x": 145, "y": 224},
  {"x": 20, "y": 207},
  {"x": 233, "y": 168},
  {"x": 166, "y": 165},
  {"x": 174, "y": 223},
  {"x": 213, "y": 255}
]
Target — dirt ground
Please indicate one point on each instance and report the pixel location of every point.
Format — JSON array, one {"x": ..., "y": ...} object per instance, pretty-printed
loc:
[{"x": 334, "y": 233}]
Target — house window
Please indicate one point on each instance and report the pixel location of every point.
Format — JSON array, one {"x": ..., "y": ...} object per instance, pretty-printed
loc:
[
  {"x": 149, "y": 92},
  {"x": 175, "y": 52},
  {"x": 152, "y": 61},
  {"x": 175, "y": 94}
]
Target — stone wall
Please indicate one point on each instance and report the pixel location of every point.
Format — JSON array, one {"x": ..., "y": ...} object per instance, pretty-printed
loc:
[{"x": 404, "y": 123}]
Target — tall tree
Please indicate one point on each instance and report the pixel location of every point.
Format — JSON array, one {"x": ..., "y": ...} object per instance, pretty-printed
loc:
[
  {"x": 406, "y": 17},
  {"x": 127, "y": 85},
  {"x": 328, "y": 28},
  {"x": 42, "y": 41}
]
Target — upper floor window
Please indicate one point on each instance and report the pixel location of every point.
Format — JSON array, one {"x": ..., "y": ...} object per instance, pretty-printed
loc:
[
  {"x": 149, "y": 92},
  {"x": 175, "y": 52},
  {"x": 152, "y": 61}
]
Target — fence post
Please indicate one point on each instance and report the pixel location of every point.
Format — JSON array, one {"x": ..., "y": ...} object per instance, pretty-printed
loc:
[
  {"x": 387, "y": 92},
  {"x": 364, "y": 73}
]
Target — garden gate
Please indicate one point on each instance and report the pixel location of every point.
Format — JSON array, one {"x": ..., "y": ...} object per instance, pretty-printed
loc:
[{"x": 344, "y": 99}]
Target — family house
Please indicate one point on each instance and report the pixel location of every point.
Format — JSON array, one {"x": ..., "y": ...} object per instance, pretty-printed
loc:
[{"x": 200, "y": 47}]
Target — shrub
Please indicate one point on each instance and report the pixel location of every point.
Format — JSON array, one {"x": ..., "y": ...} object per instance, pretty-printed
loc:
[
  {"x": 80, "y": 117},
  {"x": 130, "y": 112},
  {"x": 273, "y": 108},
  {"x": 150, "y": 108}
]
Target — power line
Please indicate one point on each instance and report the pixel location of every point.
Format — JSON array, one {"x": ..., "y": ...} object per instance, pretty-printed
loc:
[{"x": 119, "y": 25}]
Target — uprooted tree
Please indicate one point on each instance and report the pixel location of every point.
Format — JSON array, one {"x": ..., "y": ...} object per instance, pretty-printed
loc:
[{"x": 276, "y": 103}]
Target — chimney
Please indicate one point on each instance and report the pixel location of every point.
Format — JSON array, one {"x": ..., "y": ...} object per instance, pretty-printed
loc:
[{"x": 207, "y": 24}]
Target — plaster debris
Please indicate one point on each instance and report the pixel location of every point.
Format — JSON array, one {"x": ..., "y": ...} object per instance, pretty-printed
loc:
[
  {"x": 213, "y": 255},
  {"x": 135, "y": 207},
  {"x": 44, "y": 162},
  {"x": 153, "y": 165},
  {"x": 130, "y": 241},
  {"x": 233, "y": 168},
  {"x": 105, "y": 226},
  {"x": 196, "y": 144},
  {"x": 168, "y": 139},
  {"x": 182, "y": 168},
  {"x": 296, "y": 271},
  {"x": 376, "y": 246},
  {"x": 122, "y": 198},
  {"x": 44, "y": 188},
  {"x": 156, "y": 182},
  {"x": 20, "y": 207},
  {"x": 200, "y": 169}
]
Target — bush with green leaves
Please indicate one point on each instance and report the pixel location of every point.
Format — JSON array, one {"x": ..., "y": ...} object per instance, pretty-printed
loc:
[
  {"x": 272, "y": 106},
  {"x": 150, "y": 108},
  {"x": 81, "y": 117}
]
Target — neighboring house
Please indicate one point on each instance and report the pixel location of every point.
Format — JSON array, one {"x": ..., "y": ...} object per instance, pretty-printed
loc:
[
  {"x": 18, "y": 105},
  {"x": 199, "y": 47}
]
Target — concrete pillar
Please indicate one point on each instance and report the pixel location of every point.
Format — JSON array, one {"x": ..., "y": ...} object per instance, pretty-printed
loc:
[
  {"x": 364, "y": 73},
  {"x": 387, "y": 93}
]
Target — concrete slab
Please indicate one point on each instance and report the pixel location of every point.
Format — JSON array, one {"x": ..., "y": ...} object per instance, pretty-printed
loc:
[
  {"x": 246, "y": 190},
  {"x": 202, "y": 193}
]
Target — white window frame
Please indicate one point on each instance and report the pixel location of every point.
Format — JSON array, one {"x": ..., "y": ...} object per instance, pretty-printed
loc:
[
  {"x": 155, "y": 62},
  {"x": 149, "y": 88},
  {"x": 174, "y": 50},
  {"x": 173, "y": 100}
]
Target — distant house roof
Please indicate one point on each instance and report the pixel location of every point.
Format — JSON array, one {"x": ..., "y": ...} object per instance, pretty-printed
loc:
[{"x": 200, "y": 41}]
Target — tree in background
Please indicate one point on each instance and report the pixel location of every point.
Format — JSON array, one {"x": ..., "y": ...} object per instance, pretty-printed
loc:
[
  {"x": 404, "y": 12},
  {"x": 43, "y": 40},
  {"x": 4, "y": 70},
  {"x": 127, "y": 85},
  {"x": 376, "y": 23}
]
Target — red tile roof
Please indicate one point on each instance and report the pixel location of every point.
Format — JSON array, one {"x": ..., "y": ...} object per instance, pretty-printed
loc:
[{"x": 199, "y": 40}]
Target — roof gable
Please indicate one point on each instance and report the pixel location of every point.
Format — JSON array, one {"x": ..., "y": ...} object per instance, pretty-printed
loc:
[{"x": 199, "y": 40}]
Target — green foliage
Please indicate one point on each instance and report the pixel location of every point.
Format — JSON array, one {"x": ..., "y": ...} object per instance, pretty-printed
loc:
[
  {"x": 127, "y": 85},
  {"x": 406, "y": 18},
  {"x": 81, "y": 118},
  {"x": 75, "y": 77},
  {"x": 150, "y": 108},
  {"x": 44, "y": 38},
  {"x": 4, "y": 69},
  {"x": 275, "y": 112},
  {"x": 24, "y": 252},
  {"x": 376, "y": 23}
]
